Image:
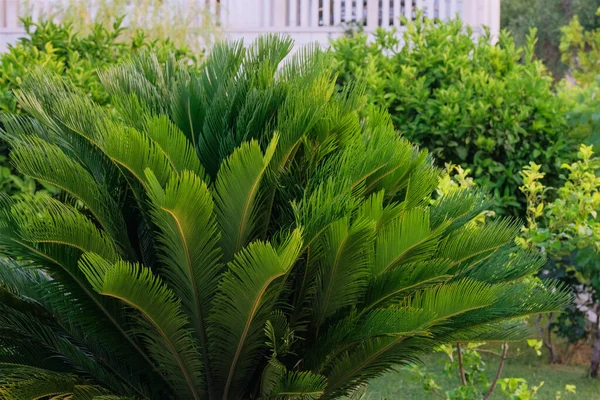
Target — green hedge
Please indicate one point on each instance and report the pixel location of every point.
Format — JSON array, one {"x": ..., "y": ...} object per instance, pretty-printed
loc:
[{"x": 488, "y": 107}]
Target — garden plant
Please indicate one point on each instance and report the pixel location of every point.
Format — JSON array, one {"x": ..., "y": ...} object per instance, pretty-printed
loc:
[
  {"x": 241, "y": 231},
  {"x": 486, "y": 106},
  {"x": 563, "y": 223}
]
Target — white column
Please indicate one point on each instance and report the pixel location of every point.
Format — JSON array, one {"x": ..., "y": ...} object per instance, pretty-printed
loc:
[
  {"x": 452, "y": 9},
  {"x": 385, "y": 13},
  {"x": 304, "y": 13},
  {"x": 326, "y": 12},
  {"x": 495, "y": 19},
  {"x": 337, "y": 12},
  {"x": 430, "y": 5},
  {"x": 442, "y": 10},
  {"x": 408, "y": 10},
  {"x": 314, "y": 13},
  {"x": 470, "y": 11},
  {"x": 348, "y": 10},
  {"x": 293, "y": 9},
  {"x": 397, "y": 12},
  {"x": 11, "y": 17},
  {"x": 372, "y": 15},
  {"x": 245, "y": 13},
  {"x": 279, "y": 13}
]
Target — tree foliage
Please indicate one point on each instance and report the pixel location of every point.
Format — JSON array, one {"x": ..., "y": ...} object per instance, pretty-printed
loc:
[
  {"x": 548, "y": 17},
  {"x": 241, "y": 231}
]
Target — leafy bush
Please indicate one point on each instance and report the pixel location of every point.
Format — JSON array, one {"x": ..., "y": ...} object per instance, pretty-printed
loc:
[
  {"x": 59, "y": 49},
  {"x": 185, "y": 23},
  {"x": 566, "y": 227},
  {"x": 487, "y": 107},
  {"x": 584, "y": 111},
  {"x": 465, "y": 362},
  {"x": 240, "y": 231}
]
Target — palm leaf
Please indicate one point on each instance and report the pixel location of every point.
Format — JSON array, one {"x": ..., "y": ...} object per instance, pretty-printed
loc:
[
  {"x": 48, "y": 163},
  {"x": 243, "y": 304},
  {"x": 190, "y": 256},
  {"x": 165, "y": 325},
  {"x": 298, "y": 386},
  {"x": 237, "y": 188},
  {"x": 343, "y": 267},
  {"x": 25, "y": 383}
]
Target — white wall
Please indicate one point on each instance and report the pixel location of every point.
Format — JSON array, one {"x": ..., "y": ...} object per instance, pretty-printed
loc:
[{"x": 305, "y": 20}]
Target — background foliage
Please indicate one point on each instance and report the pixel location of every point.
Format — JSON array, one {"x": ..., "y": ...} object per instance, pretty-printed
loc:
[
  {"x": 547, "y": 17},
  {"x": 185, "y": 23},
  {"x": 487, "y": 107},
  {"x": 581, "y": 52},
  {"x": 563, "y": 224}
]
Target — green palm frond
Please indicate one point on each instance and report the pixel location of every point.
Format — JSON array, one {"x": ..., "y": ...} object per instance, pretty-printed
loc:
[
  {"x": 370, "y": 359},
  {"x": 135, "y": 151},
  {"x": 343, "y": 272},
  {"x": 174, "y": 145},
  {"x": 42, "y": 219},
  {"x": 48, "y": 163},
  {"x": 163, "y": 324},
  {"x": 394, "y": 285},
  {"x": 407, "y": 239},
  {"x": 472, "y": 244},
  {"x": 184, "y": 212},
  {"x": 455, "y": 298},
  {"x": 242, "y": 306},
  {"x": 21, "y": 382},
  {"x": 299, "y": 386},
  {"x": 237, "y": 189}
]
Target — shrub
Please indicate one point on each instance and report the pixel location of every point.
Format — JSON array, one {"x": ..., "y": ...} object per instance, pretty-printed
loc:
[
  {"x": 185, "y": 23},
  {"x": 564, "y": 224},
  {"x": 487, "y": 107},
  {"x": 238, "y": 232},
  {"x": 584, "y": 111},
  {"x": 58, "y": 48}
]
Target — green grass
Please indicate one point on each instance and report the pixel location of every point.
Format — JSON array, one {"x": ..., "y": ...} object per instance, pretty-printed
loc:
[{"x": 400, "y": 385}]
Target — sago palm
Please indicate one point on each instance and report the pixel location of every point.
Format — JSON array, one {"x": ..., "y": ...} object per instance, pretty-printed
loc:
[{"x": 239, "y": 232}]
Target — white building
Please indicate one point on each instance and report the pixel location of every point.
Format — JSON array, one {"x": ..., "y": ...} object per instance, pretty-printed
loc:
[{"x": 305, "y": 20}]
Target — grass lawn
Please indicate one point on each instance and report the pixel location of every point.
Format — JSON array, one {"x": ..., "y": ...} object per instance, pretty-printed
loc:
[{"x": 399, "y": 385}]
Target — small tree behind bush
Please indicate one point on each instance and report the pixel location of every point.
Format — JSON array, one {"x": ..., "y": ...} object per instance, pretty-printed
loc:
[
  {"x": 488, "y": 107},
  {"x": 238, "y": 232},
  {"x": 548, "y": 17},
  {"x": 581, "y": 52}
]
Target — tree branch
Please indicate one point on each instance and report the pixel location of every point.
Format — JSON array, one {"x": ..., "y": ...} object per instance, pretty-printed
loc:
[
  {"x": 461, "y": 368},
  {"x": 498, "y": 371}
]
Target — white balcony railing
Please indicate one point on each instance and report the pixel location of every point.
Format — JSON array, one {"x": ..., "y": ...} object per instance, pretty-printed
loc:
[{"x": 305, "y": 20}]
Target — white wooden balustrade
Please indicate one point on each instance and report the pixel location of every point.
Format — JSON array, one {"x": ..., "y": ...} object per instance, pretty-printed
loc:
[{"x": 305, "y": 20}]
